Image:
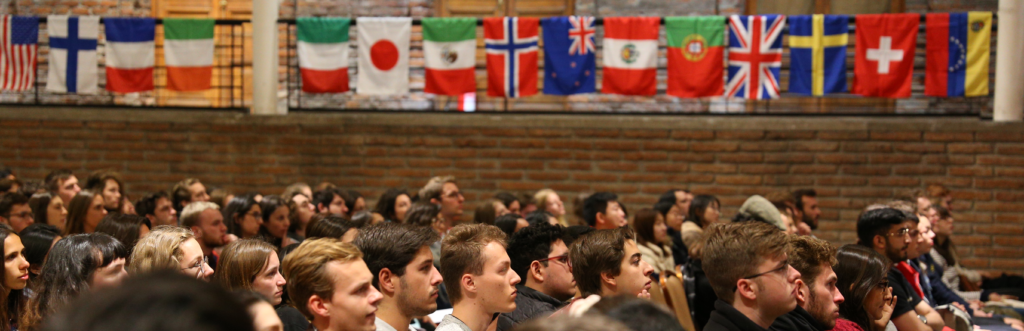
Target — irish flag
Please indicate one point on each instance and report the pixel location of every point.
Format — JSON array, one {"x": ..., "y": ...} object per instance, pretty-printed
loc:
[
  {"x": 695, "y": 63},
  {"x": 323, "y": 53},
  {"x": 449, "y": 48},
  {"x": 188, "y": 53},
  {"x": 630, "y": 55}
]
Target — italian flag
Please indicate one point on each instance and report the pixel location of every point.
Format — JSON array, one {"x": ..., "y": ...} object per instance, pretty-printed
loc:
[
  {"x": 695, "y": 56},
  {"x": 323, "y": 53},
  {"x": 630, "y": 55},
  {"x": 449, "y": 49},
  {"x": 188, "y": 53}
]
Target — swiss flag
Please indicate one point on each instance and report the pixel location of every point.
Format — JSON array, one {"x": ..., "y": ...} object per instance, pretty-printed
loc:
[{"x": 885, "y": 54}]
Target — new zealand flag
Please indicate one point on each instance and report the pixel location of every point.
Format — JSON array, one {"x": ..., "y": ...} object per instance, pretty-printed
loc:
[{"x": 569, "y": 65}]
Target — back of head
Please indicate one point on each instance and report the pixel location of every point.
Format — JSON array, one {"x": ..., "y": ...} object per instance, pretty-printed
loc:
[
  {"x": 877, "y": 222},
  {"x": 240, "y": 262},
  {"x": 305, "y": 269},
  {"x": 808, "y": 255},
  {"x": 159, "y": 250},
  {"x": 485, "y": 212},
  {"x": 177, "y": 304},
  {"x": 147, "y": 204},
  {"x": 532, "y": 243},
  {"x": 434, "y": 187},
  {"x": 392, "y": 246},
  {"x": 351, "y": 196},
  {"x": 507, "y": 223},
  {"x": 40, "y": 204},
  {"x": 637, "y": 314},
  {"x": 600, "y": 251},
  {"x": 329, "y": 227},
  {"x": 123, "y": 227},
  {"x": 732, "y": 251},
  {"x": 643, "y": 224},
  {"x": 38, "y": 238},
  {"x": 190, "y": 214},
  {"x": 462, "y": 253},
  {"x": 596, "y": 203},
  {"x": 858, "y": 270},
  {"x": 422, "y": 214},
  {"x": 539, "y": 216}
]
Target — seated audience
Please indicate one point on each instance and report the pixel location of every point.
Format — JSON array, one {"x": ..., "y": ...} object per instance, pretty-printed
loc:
[
  {"x": 16, "y": 276},
  {"x": 862, "y": 279},
  {"x": 748, "y": 267},
  {"x": 331, "y": 285},
  {"x": 510, "y": 201},
  {"x": 477, "y": 275},
  {"x": 393, "y": 205},
  {"x": 38, "y": 238},
  {"x": 243, "y": 216},
  {"x": 274, "y": 228},
  {"x": 548, "y": 200},
  {"x": 330, "y": 202},
  {"x": 207, "y": 224},
  {"x": 170, "y": 248},
  {"x": 786, "y": 203},
  {"x": 62, "y": 183},
  {"x": 637, "y": 314},
  {"x": 187, "y": 191},
  {"x": 127, "y": 229},
  {"x": 444, "y": 192},
  {"x": 84, "y": 213},
  {"x": 157, "y": 207},
  {"x": 264, "y": 318},
  {"x": 333, "y": 227},
  {"x": 608, "y": 263},
  {"x": 488, "y": 211},
  {"x": 300, "y": 212},
  {"x": 817, "y": 297},
  {"x": 110, "y": 186},
  {"x": 602, "y": 210},
  {"x": 15, "y": 211},
  {"x": 77, "y": 265},
  {"x": 253, "y": 265},
  {"x": 989, "y": 286},
  {"x": 539, "y": 256},
  {"x": 48, "y": 209},
  {"x": 178, "y": 304},
  {"x": 399, "y": 258},
  {"x": 511, "y": 223},
  {"x": 653, "y": 241}
]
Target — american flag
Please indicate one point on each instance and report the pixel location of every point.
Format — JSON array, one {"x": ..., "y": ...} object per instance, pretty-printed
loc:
[
  {"x": 755, "y": 56},
  {"x": 18, "y": 52}
]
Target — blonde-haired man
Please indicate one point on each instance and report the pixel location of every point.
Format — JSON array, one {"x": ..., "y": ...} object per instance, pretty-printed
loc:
[{"x": 331, "y": 285}]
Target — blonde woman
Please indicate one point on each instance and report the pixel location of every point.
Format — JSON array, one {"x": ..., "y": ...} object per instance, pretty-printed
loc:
[
  {"x": 170, "y": 248},
  {"x": 549, "y": 201}
]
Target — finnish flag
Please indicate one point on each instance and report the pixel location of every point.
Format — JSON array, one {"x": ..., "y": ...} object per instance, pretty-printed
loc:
[{"x": 73, "y": 66}]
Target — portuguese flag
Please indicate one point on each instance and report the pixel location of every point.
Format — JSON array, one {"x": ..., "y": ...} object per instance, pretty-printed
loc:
[{"x": 695, "y": 56}]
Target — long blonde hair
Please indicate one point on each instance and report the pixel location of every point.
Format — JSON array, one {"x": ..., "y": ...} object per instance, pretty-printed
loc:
[
  {"x": 159, "y": 250},
  {"x": 541, "y": 200}
]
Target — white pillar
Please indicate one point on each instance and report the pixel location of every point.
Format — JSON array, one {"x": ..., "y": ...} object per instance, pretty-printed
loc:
[
  {"x": 264, "y": 58},
  {"x": 1009, "y": 103}
]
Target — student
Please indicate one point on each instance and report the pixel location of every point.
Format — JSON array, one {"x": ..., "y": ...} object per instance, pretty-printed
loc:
[
  {"x": 157, "y": 207},
  {"x": 207, "y": 223},
  {"x": 187, "y": 191},
  {"x": 817, "y": 297},
  {"x": 331, "y": 285},
  {"x": 330, "y": 202},
  {"x": 274, "y": 228},
  {"x": 540, "y": 256},
  {"x": 704, "y": 211},
  {"x": 84, "y": 213},
  {"x": 331, "y": 226},
  {"x": 62, "y": 183},
  {"x": 12, "y": 300},
  {"x": 38, "y": 239},
  {"x": 443, "y": 191},
  {"x": 549, "y": 201},
  {"x": 399, "y": 257},
  {"x": 862, "y": 279},
  {"x": 889, "y": 232},
  {"x": 170, "y": 248},
  {"x": 110, "y": 186},
  {"x": 253, "y": 265},
  {"x": 393, "y": 205},
  {"x": 607, "y": 263},
  {"x": 478, "y": 275},
  {"x": 244, "y": 216},
  {"x": 48, "y": 209},
  {"x": 602, "y": 210},
  {"x": 127, "y": 229},
  {"x": 15, "y": 211},
  {"x": 653, "y": 241},
  {"x": 748, "y": 267}
]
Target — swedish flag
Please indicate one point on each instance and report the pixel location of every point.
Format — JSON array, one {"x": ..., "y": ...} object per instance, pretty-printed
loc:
[{"x": 817, "y": 45}]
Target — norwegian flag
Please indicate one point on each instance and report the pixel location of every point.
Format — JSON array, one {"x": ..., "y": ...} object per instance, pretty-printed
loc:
[
  {"x": 582, "y": 35},
  {"x": 18, "y": 52},
  {"x": 755, "y": 56},
  {"x": 511, "y": 44}
]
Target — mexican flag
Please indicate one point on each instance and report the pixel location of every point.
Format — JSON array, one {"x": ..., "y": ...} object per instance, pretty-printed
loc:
[
  {"x": 323, "y": 53},
  {"x": 449, "y": 48},
  {"x": 695, "y": 61},
  {"x": 188, "y": 53}
]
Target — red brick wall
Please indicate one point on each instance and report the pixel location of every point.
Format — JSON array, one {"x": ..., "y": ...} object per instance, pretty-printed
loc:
[{"x": 850, "y": 161}]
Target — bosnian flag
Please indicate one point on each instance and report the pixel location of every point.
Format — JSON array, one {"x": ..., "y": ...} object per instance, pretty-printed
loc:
[
  {"x": 630, "y": 55},
  {"x": 130, "y": 54},
  {"x": 511, "y": 56},
  {"x": 73, "y": 66}
]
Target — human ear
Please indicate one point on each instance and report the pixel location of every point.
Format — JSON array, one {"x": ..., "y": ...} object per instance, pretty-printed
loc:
[
  {"x": 318, "y": 306},
  {"x": 747, "y": 289},
  {"x": 468, "y": 284},
  {"x": 878, "y": 241},
  {"x": 385, "y": 281},
  {"x": 608, "y": 279},
  {"x": 801, "y": 296},
  {"x": 536, "y": 271}
]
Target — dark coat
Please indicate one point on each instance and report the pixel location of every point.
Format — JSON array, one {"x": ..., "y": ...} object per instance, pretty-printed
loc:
[{"x": 530, "y": 304}]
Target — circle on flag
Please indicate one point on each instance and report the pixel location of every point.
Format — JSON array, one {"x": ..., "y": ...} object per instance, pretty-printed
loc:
[
  {"x": 629, "y": 53},
  {"x": 384, "y": 54},
  {"x": 694, "y": 47}
]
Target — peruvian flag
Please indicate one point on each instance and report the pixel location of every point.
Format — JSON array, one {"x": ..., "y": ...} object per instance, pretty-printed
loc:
[
  {"x": 630, "y": 55},
  {"x": 383, "y": 55},
  {"x": 511, "y": 56},
  {"x": 885, "y": 55}
]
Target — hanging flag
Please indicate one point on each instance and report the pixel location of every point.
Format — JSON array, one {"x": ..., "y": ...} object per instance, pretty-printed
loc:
[
  {"x": 449, "y": 50},
  {"x": 884, "y": 59},
  {"x": 130, "y": 54},
  {"x": 511, "y": 44},
  {"x": 323, "y": 53},
  {"x": 18, "y": 52},
  {"x": 383, "y": 55},
  {"x": 73, "y": 65},
  {"x": 755, "y": 56},
  {"x": 817, "y": 48},
  {"x": 695, "y": 56},
  {"x": 467, "y": 102},
  {"x": 630, "y": 55},
  {"x": 569, "y": 65},
  {"x": 188, "y": 53},
  {"x": 958, "y": 54}
]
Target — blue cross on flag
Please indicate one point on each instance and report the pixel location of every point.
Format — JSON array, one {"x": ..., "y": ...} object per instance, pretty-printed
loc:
[{"x": 73, "y": 66}]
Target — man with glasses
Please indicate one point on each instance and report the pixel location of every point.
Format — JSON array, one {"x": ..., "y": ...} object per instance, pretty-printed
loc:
[
  {"x": 443, "y": 191},
  {"x": 890, "y": 232},
  {"x": 747, "y": 264},
  {"x": 539, "y": 255},
  {"x": 15, "y": 211}
]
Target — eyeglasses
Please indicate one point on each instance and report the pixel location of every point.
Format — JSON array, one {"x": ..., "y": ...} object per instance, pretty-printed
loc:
[
  {"x": 26, "y": 214},
  {"x": 256, "y": 214},
  {"x": 784, "y": 266},
  {"x": 904, "y": 232},
  {"x": 201, "y": 264},
  {"x": 563, "y": 259},
  {"x": 884, "y": 284}
]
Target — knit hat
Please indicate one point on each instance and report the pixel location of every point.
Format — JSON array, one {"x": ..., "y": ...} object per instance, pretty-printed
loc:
[{"x": 758, "y": 207}]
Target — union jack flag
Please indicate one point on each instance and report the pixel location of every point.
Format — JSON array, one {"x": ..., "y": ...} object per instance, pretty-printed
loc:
[
  {"x": 18, "y": 52},
  {"x": 511, "y": 44},
  {"x": 582, "y": 35},
  {"x": 755, "y": 56}
]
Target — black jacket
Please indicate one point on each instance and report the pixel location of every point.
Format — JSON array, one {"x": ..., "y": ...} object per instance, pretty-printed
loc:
[
  {"x": 798, "y": 320},
  {"x": 530, "y": 304},
  {"x": 727, "y": 318}
]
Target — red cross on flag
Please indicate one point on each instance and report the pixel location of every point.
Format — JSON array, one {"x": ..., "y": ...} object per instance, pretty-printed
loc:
[{"x": 885, "y": 55}]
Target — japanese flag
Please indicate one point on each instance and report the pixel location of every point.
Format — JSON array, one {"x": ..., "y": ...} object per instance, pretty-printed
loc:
[{"x": 383, "y": 55}]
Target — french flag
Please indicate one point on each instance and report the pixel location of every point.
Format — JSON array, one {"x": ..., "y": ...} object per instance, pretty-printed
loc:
[{"x": 130, "y": 54}]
